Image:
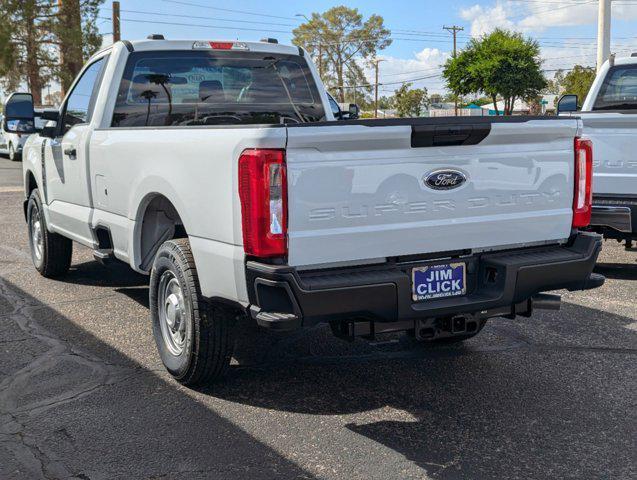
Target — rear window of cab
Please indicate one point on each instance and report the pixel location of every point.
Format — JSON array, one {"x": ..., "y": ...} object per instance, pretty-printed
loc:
[{"x": 182, "y": 88}]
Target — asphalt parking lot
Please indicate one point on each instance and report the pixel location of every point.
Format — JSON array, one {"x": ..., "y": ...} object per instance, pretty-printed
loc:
[{"x": 83, "y": 394}]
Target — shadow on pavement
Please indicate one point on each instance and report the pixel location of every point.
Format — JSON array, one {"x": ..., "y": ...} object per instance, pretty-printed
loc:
[
  {"x": 526, "y": 410},
  {"x": 504, "y": 405},
  {"x": 66, "y": 412},
  {"x": 618, "y": 271},
  {"x": 115, "y": 275}
]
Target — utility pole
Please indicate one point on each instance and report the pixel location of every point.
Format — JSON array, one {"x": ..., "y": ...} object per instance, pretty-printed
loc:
[
  {"x": 320, "y": 61},
  {"x": 376, "y": 62},
  {"x": 603, "y": 32},
  {"x": 116, "y": 26},
  {"x": 454, "y": 29}
]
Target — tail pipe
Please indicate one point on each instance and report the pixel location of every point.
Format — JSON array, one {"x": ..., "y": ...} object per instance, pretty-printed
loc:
[{"x": 546, "y": 301}]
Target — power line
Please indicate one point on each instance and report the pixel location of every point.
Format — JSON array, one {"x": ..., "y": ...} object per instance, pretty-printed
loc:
[
  {"x": 244, "y": 12},
  {"x": 173, "y": 15},
  {"x": 229, "y": 27},
  {"x": 369, "y": 85},
  {"x": 550, "y": 43},
  {"x": 433, "y": 69},
  {"x": 552, "y": 9}
]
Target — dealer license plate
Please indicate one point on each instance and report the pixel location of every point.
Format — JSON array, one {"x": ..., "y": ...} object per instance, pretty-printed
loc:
[{"x": 439, "y": 281}]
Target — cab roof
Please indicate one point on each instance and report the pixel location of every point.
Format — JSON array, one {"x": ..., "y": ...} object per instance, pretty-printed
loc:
[{"x": 267, "y": 47}]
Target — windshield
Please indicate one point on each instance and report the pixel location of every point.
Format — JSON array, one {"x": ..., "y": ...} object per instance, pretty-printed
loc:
[
  {"x": 619, "y": 90},
  {"x": 182, "y": 88}
]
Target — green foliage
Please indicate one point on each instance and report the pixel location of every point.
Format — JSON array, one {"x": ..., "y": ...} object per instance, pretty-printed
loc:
[
  {"x": 76, "y": 30},
  {"x": 337, "y": 40},
  {"x": 554, "y": 85},
  {"x": 26, "y": 51},
  {"x": 477, "y": 101},
  {"x": 436, "y": 98},
  {"x": 501, "y": 64},
  {"x": 578, "y": 82},
  {"x": 386, "y": 103},
  {"x": 410, "y": 102},
  {"x": 34, "y": 34}
]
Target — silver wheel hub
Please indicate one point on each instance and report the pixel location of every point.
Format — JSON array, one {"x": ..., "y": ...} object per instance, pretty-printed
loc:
[
  {"x": 173, "y": 318},
  {"x": 37, "y": 239}
]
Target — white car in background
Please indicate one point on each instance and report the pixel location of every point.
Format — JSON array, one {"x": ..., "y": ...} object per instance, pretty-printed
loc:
[{"x": 11, "y": 143}]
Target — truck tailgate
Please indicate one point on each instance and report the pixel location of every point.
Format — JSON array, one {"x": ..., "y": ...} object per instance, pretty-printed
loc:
[
  {"x": 357, "y": 192},
  {"x": 614, "y": 137}
]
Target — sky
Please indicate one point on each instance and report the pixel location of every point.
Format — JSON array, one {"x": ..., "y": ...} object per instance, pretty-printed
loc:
[{"x": 566, "y": 29}]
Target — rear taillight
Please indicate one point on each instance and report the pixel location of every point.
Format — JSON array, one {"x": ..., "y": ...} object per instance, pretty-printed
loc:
[
  {"x": 263, "y": 194},
  {"x": 583, "y": 198}
]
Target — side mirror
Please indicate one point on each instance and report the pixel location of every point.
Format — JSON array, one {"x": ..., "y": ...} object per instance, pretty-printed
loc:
[
  {"x": 354, "y": 111},
  {"x": 567, "y": 104},
  {"x": 50, "y": 114},
  {"x": 19, "y": 116},
  {"x": 50, "y": 130}
]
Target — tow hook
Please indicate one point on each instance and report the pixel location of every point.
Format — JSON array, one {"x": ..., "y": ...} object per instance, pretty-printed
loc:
[{"x": 431, "y": 328}]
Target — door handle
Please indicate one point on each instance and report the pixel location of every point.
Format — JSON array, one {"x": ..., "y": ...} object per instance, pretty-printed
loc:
[{"x": 71, "y": 152}]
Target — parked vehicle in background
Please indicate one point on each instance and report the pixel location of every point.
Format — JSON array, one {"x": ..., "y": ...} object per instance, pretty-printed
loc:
[
  {"x": 14, "y": 136},
  {"x": 609, "y": 114},
  {"x": 353, "y": 112},
  {"x": 218, "y": 168}
]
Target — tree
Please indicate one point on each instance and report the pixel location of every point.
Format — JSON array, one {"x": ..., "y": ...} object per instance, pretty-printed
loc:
[
  {"x": 554, "y": 86},
  {"x": 410, "y": 102},
  {"x": 53, "y": 99},
  {"x": 76, "y": 31},
  {"x": 436, "y": 98},
  {"x": 336, "y": 39},
  {"x": 26, "y": 41},
  {"x": 385, "y": 103},
  {"x": 578, "y": 82},
  {"x": 501, "y": 64},
  {"x": 43, "y": 39}
]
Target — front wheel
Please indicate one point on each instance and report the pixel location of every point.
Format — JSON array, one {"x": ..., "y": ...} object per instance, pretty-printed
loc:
[
  {"x": 51, "y": 253},
  {"x": 13, "y": 155},
  {"x": 195, "y": 339}
]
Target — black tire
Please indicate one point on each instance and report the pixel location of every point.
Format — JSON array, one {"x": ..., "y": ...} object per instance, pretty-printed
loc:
[
  {"x": 208, "y": 337},
  {"x": 13, "y": 155},
  {"x": 52, "y": 258}
]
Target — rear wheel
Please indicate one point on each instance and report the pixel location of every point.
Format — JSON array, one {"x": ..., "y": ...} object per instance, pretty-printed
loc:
[
  {"x": 51, "y": 253},
  {"x": 195, "y": 340}
]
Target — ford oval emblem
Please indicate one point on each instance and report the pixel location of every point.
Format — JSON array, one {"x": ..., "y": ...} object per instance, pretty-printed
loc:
[{"x": 445, "y": 179}]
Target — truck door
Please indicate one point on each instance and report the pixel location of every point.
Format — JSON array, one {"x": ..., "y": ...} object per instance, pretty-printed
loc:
[{"x": 68, "y": 194}]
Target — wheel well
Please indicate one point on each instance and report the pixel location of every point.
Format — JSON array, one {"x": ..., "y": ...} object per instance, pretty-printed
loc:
[
  {"x": 160, "y": 222},
  {"x": 30, "y": 185}
]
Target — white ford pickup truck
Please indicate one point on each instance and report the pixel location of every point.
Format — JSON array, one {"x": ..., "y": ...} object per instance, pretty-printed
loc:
[
  {"x": 218, "y": 168},
  {"x": 609, "y": 114}
]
